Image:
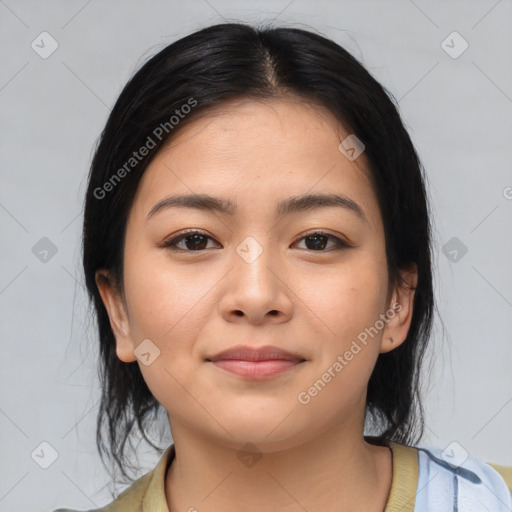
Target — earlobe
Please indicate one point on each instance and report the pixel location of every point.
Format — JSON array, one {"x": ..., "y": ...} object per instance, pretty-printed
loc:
[
  {"x": 401, "y": 303},
  {"x": 119, "y": 322}
]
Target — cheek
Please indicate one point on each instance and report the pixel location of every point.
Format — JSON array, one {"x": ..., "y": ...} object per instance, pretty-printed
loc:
[
  {"x": 165, "y": 301},
  {"x": 167, "y": 305},
  {"x": 347, "y": 299},
  {"x": 348, "y": 305}
]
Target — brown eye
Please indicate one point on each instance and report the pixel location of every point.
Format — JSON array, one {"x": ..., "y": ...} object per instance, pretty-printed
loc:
[
  {"x": 197, "y": 241},
  {"x": 191, "y": 241},
  {"x": 319, "y": 240}
]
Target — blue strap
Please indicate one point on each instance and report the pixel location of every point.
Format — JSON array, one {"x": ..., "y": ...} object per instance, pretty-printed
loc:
[{"x": 456, "y": 470}]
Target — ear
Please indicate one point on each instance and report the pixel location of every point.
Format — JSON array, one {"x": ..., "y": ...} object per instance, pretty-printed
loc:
[
  {"x": 117, "y": 313},
  {"x": 400, "y": 310}
]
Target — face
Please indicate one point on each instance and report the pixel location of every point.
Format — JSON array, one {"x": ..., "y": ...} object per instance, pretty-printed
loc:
[{"x": 310, "y": 281}]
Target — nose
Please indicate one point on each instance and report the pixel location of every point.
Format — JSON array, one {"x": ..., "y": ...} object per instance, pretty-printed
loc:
[{"x": 256, "y": 289}]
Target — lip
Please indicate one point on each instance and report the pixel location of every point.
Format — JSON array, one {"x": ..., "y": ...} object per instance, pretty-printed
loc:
[
  {"x": 256, "y": 363},
  {"x": 247, "y": 353}
]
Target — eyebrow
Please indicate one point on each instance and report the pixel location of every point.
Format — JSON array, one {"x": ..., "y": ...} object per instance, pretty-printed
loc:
[{"x": 294, "y": 204}]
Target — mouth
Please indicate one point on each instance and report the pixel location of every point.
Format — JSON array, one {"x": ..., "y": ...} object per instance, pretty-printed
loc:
[{"x": 256, "y": 363}]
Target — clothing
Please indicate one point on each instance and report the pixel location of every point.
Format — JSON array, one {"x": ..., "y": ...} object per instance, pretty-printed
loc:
[{"x": 422, "y": 482}]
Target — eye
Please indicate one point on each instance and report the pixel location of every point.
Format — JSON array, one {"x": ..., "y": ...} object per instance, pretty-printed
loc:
[
  {"x": 197, "y": 241},
  {"x": 193, "y": 241},
  {"x": 318, "y": 240}
]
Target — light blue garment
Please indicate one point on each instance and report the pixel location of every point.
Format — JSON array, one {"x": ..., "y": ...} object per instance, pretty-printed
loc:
[{"x": 473, "y": 486}]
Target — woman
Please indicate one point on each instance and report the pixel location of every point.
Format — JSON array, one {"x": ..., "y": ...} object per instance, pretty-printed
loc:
[{"x": 257, "y": 245}]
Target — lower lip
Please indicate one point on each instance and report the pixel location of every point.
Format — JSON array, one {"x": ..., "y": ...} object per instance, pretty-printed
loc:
[{"x": 256, "y": 369}]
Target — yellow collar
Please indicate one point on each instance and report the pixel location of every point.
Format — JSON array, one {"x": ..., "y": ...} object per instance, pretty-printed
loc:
[{"x": 402, "y": 495}]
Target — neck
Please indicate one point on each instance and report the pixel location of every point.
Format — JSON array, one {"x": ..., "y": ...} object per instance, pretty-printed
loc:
[{"x": 336, "y": 470}]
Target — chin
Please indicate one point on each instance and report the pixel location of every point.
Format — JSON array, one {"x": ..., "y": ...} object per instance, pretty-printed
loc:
[{"x": 267, "y": 435}]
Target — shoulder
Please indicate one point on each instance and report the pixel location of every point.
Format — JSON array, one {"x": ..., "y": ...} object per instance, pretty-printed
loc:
[
  {"x": 451, "y": 476},
  {"x": 506, "y": 473},
  {"x": 144, "y": 494},
  {"x": 130, "y": 500}
]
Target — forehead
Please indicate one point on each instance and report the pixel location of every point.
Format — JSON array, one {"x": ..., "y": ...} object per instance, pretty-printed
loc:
[
  {"x": 252, "y": 151},
  {"x": 255, "y": 123}
]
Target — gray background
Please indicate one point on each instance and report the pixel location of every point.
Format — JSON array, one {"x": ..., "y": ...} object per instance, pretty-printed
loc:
[{"x": 457, "y": 110}]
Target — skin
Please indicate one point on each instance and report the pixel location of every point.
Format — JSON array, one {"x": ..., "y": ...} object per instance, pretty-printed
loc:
[{"x": 310, "y": 301}]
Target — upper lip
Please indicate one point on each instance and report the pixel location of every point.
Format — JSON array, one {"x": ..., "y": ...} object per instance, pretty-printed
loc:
[{"x": 247, "y": 353}]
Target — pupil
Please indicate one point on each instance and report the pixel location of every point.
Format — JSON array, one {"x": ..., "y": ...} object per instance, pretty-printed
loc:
[
  {"x": 315, "y": 238},
  {"x": 196, "y": 241}
]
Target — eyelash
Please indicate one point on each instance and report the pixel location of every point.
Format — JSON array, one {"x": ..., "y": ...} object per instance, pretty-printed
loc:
[{"x": 171, "y": 243}]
